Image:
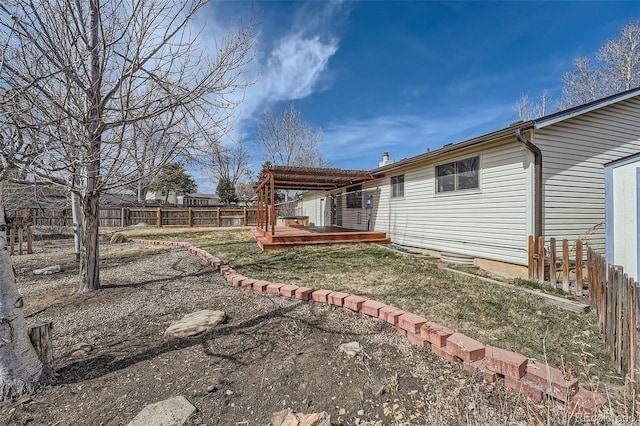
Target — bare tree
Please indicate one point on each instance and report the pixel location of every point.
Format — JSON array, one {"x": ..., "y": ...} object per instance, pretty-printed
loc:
[
  {"x": 616, "y": 68},
  {"x": 530, "y": 110},
  {"x": 227, "y": 162},
  {"x": 93, "y": 76},
  {"x": 245, "y": 192},
  {"x": 288, "y": 141}
]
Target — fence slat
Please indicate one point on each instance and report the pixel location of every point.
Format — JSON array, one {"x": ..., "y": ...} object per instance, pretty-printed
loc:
[
  {"x": 541, "y": 259},
  {"x": 532, "y": 266},
  {"x": 579, "y": 277},
  {"x": 552, "y": 262},
  {"x": 565, "y": 266}
]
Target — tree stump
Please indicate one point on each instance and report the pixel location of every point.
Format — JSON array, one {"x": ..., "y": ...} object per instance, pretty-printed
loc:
[{"x": 40, "y": 336}]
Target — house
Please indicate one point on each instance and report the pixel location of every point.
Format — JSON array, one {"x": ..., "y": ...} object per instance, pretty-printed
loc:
[
  {"x": 622, "y": 206},
  {"x": 197, "y": 200},
  {"x": 481, "y": 198}
]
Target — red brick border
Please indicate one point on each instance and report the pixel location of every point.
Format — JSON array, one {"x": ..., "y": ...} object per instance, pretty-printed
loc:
[{"x": 536, "y": 381}]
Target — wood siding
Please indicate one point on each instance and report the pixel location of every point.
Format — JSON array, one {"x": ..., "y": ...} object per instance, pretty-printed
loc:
[
  {"x": 574, "y": 152},
  {"x": 492, "y": 222}
]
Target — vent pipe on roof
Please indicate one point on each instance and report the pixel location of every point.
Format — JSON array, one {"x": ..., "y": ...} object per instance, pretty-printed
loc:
[
  {"x": 385, "y": 160},
  {"x": 537, "y": 192}
]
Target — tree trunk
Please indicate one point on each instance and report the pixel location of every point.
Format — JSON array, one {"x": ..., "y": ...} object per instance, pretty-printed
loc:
[
  {"x": 76, "y": 212},
  {"x": 89, "y": 257},
  {"x": 20, "y": 367},
  {"x": 90, "y": 250}
]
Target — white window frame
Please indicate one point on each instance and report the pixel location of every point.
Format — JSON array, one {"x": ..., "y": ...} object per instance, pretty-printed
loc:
[
  {"x": 394, "y": 186},
  {"x": 457, "y": 191}
]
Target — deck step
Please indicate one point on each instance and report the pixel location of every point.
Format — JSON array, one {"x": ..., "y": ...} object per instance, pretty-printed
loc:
[{"x": 266, "y": 245}]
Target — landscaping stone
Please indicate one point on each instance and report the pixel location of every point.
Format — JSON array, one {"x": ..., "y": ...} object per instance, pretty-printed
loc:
[
  {"x": 170, "y": 412},
  {"x": 195, "y": 323},
  {"x": 351, "y": 348},
  {"x": 48, "y": 270}
]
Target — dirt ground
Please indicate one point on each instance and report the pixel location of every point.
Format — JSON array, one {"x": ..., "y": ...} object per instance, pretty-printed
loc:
[{"x": 272, "y": 353}]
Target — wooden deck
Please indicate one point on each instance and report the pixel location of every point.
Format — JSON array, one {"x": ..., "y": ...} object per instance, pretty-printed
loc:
[{"x": 294, "y": 236}]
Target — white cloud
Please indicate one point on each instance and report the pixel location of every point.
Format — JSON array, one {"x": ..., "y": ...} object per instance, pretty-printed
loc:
[{"x": 291, "y": 71}]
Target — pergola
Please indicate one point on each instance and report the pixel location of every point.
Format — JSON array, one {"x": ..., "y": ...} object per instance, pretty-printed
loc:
[{"x": 299, "y": 178}]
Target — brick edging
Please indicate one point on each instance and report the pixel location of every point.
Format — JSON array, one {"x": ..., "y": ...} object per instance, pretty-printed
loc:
[{"x": 537, "y": 381}]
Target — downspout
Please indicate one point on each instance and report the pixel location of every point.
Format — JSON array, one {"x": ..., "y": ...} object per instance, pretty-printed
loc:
[{"x": 537, "y": 196}]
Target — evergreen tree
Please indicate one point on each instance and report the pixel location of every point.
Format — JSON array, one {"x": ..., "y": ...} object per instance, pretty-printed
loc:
[
  {"x": 174, "y": 178},
  {"x": 226, "y": 191}
]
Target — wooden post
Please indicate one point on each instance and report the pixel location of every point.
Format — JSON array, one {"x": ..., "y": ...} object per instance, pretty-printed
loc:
[
  {"x": 552, "y": 262},
  {"x": 565, "y": 266},
  {"x": 12, "y": 236},
  {"x": 532, "y": 266},
  {"x": 579, "y": 268},
  {"x": 40, "y": 336},
  {"x": 20, "y": 240},
  {"x": 29, "y": 240},
  {"x": 218, "y": 217},
  {"x": 244, "y": 218},
  {"x": 123, "y": 217},
  {"x": 273, "y": 206},
  {"x": 540, "y": 259},
  {"x": 158, "y": 218},
  {"x": 190, "y": 217}
]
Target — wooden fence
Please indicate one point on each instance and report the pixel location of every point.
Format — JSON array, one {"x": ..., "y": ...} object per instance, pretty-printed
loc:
[
  {"x": 246, "y": 216},
  {"x": 116, "y": 217},
  {"x": 612, "y": 294}
]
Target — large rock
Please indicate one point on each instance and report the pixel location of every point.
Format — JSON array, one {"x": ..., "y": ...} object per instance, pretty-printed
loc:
[
  {"x": 48, "y": 270},
  {"x": 195, "y": 323},
  {"x": 299, "y": 419},
  {"x": 170, "y": 412}
]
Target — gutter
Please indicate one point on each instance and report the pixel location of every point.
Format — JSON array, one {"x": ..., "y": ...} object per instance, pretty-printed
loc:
[{"x": 537, "y": 193}]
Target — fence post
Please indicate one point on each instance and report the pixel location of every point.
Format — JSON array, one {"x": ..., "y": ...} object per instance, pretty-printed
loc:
[
  {"x": 12, "y": 236},
  {"x": 579, "y": 268},
  {"x": 244, "y": 218},
  {"x": 565, "y": 266},
  {"x": 635, "y": 334},
  {"x": 159, "y": 218},
  {"x": 218, "y": 217},
  {"x": 29, "y": 240},
  {"x": 190, "y": 217},
  {"x": 123, "y": 217},
  {"x": 541, "y": 259},
  {"x": 20, "y": 238},
  {"x": 532, "y": 267},
  {"x": 552, "y": 262}
]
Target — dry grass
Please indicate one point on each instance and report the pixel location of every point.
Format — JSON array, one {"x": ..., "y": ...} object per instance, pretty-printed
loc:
[{"x": 494, "y": 315}]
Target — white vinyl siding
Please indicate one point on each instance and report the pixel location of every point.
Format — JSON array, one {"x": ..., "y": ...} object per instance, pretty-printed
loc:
[
  {"x": 316, "y": 205},
  {"x": 491, "y": 223},
  {"x": 574, "y": 153}
]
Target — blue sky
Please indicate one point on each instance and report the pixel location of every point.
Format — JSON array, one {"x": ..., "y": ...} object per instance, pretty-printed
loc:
[{"x": 404, "y": 76}]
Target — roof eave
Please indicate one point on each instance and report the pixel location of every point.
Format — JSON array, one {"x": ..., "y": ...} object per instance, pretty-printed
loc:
[{"x": 489, "y": 137}]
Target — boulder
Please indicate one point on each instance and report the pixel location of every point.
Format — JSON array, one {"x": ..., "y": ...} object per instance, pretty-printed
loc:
[
  {"x": 195, "y": 323},
  {"x": 299, "y": 419},
  {"x": 170, "y": 412},
  {"x": 48, "y": 270}
]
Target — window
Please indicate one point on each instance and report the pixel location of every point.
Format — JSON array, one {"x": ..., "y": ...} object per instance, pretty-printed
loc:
[
  {"x": 354, "y": 197},
  {"x": 459, "y": 175},
  {"x": 397, "y": 186}
]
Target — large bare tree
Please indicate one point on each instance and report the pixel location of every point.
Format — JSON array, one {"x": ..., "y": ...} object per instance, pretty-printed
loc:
[
  {"x": 616, "y": 68},
  {"x": 286, "y": 140},
  {"x": 98, "y": 82}
]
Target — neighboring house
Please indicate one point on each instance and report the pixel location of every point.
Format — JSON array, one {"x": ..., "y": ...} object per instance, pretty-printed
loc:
[
  {"x": 483, "y": 197},
  {"x": 622, "y": 199},
  {"x": 162, "y": 197},
  {"x": 197, "y": 200}
]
